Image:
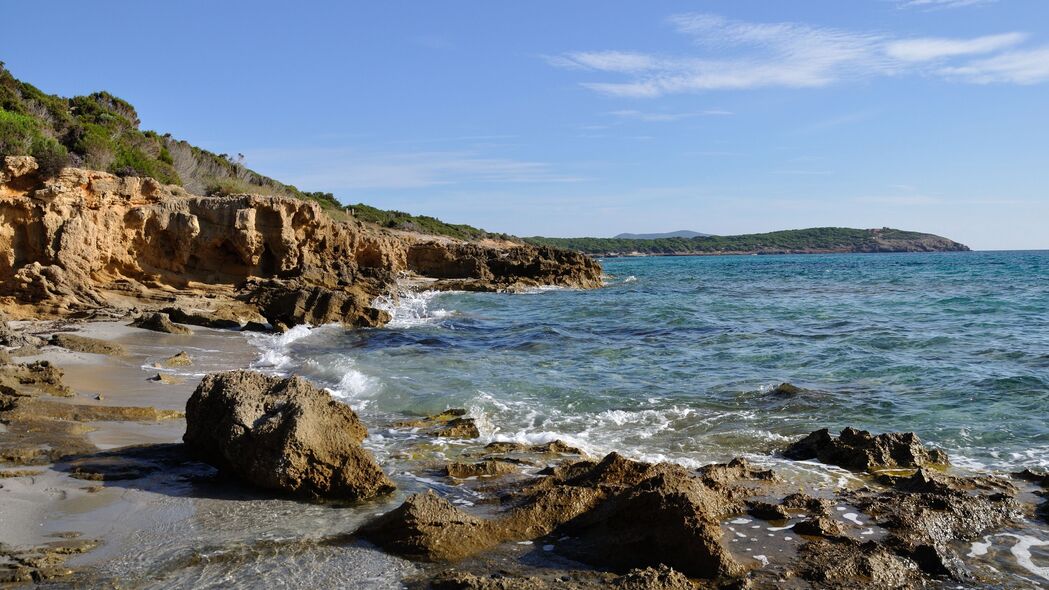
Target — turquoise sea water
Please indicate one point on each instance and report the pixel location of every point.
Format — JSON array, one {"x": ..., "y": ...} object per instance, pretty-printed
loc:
[{"x": 674, "y": 358}]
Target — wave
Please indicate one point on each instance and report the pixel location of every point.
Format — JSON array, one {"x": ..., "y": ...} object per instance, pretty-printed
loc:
[{"x": 409, "y": 309}]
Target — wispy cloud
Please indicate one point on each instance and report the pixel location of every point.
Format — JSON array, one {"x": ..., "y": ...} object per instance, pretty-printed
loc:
[
  {"x": 351, "y": 169},
  {"x": 1016, "y": 67},
  {"x": 938, "y": 4},
  {"x": 933, "y": 48},
  {"x": 738, "y": 55},
  {"x": 659, "y": 117}
]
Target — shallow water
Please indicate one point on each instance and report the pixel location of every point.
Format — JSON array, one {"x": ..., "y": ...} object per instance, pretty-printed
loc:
[{"x": 673, "y": 359}]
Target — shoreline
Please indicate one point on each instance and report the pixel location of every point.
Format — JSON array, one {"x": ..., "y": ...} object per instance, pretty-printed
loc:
[{"x": 173, "y": 494}]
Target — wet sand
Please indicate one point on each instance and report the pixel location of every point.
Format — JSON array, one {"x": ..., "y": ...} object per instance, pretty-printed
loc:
[{"x": 176, "y": 528}]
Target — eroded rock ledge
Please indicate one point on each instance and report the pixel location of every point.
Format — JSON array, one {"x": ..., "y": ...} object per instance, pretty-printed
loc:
[{"x": 88, "y": 240}]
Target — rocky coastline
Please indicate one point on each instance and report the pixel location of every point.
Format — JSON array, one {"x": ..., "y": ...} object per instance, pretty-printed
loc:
[{"x": 109, "y": 283}]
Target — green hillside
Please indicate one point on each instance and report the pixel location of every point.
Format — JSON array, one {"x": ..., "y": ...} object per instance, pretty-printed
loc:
[
  {"x": 102, "y": 132},
  {"x": 800, "y": 241}
]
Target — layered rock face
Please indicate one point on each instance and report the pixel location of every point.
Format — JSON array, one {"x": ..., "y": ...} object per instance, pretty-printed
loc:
[
  {"x": 86, "y": 240},
  {"x": 282, "y": 434}
]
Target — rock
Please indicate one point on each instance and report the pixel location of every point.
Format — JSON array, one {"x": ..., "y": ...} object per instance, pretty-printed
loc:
[
  {"x": 5, "y": 357},
  {"x": 282, "y": 434},
  {"x": 26, "y": 350},
  {"x": 785, "y": 389},
  {"x": 554, "y": 447},
  {"x": 767, "y": 511},
  {"x": 846, "y": 564},
  {"x": 653, "y": 578},
  {"x": 722, "y": 475},
  {"x": 41, "y": 563},
  {"x": 159, "y": 322},
  {"x": 78, "y": 343},
  {"x": 458, "y": 428},
  {"x": 670, "y": 518},
  {"x": 40, "y": 377},
  {"x": 820, "y": 526},
  {"x": 256, "y": 327},
  {"x": 181, "y": 359},
  {"x": 488, "y": 468},
  {"x": 430, "y": 528},
  {"x": 927, "y": 513},
  {"x": 221, "y": 320},
  {"x": 433, "y": 420},
  {"x": 616, "y": 513},
  {"x": 166, "y": 379},
  {"x": 292, "y": 303},
  {"x": 804, "y": 502},
  {"x": 13, "y": 338},
  {"x": 859, "y": 450}
]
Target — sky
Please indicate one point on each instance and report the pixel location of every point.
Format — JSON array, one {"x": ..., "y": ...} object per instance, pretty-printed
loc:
[{"x": 594, "y": 117}]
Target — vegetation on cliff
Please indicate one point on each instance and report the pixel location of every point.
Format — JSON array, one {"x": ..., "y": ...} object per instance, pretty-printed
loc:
[
  {"x": 101, "y": 132},
  {"x": 813, "y": 240},
  {"x": 419, "y": 223}
]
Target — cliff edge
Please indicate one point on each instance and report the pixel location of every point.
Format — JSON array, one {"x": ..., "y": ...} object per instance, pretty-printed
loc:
[{"x": 84, "y": 241}]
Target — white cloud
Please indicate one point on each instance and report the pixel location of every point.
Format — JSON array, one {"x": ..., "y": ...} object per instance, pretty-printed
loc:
[
  {"x": 928, "y": 49},
  {"x": 738, "y": 55},
  {"x": 1016, "y": 67}
]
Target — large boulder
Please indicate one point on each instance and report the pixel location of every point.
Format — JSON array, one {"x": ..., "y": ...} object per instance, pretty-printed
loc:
[
  {"x": 860, "y": 450},
  {"x": 282, "y": 434}
]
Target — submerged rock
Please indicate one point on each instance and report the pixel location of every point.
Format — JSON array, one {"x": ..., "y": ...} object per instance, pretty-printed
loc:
[
  {"x": 458, "y": 428},
  {"x": 159, "y": 322},
  {"x": 450, "y": 423},
  {"x": 79, "y": 343},
  {"x": 786, "y": 389},
  {"x": 430, "y": 528},
  {"x": 488, "y": 467},
  {"x": 859, "y": 450},
  {"x": 181, "y": 359},
  {"x": 282, "y": 434}
]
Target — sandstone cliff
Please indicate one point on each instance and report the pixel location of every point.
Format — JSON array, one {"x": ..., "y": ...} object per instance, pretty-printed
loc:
[{"x": 86, "y": 241}]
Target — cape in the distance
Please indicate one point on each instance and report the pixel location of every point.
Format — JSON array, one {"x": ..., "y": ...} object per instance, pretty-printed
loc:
[{"x": 816, "y": 240}]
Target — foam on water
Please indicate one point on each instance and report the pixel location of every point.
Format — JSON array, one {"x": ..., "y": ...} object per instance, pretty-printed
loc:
[
  {"x": 275, "y": 354},
  {"x": 410, "y": 308}
]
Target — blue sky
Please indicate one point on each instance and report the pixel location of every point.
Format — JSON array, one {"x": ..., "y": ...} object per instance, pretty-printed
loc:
[{"x": 595, "y": 117}]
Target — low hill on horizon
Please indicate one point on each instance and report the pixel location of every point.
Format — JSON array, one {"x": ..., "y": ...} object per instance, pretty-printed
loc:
[
  {"x": 817, "y": 240},
  {"x": 681, "y": 233}
]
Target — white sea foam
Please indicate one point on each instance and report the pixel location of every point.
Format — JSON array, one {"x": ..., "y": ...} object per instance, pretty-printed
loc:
[
  {"x": 275, "y": 355},
  {"x": 410, "y": 308},
  {"x": 1022, "y": 552}
]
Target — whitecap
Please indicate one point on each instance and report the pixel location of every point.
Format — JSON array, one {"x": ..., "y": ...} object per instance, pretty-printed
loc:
[{"x": 409, "y": 309}]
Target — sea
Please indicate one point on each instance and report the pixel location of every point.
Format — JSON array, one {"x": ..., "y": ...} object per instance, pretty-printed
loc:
[{"x": 674, "y": 359}]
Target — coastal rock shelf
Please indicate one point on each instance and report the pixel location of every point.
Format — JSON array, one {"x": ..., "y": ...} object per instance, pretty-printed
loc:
[{"x": 85, "y": 241}]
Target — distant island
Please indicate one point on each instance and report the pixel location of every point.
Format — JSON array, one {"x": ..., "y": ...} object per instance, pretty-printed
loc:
[
  {"x": 817, "y": 240},
  {"x": 684, "y": 233}
]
